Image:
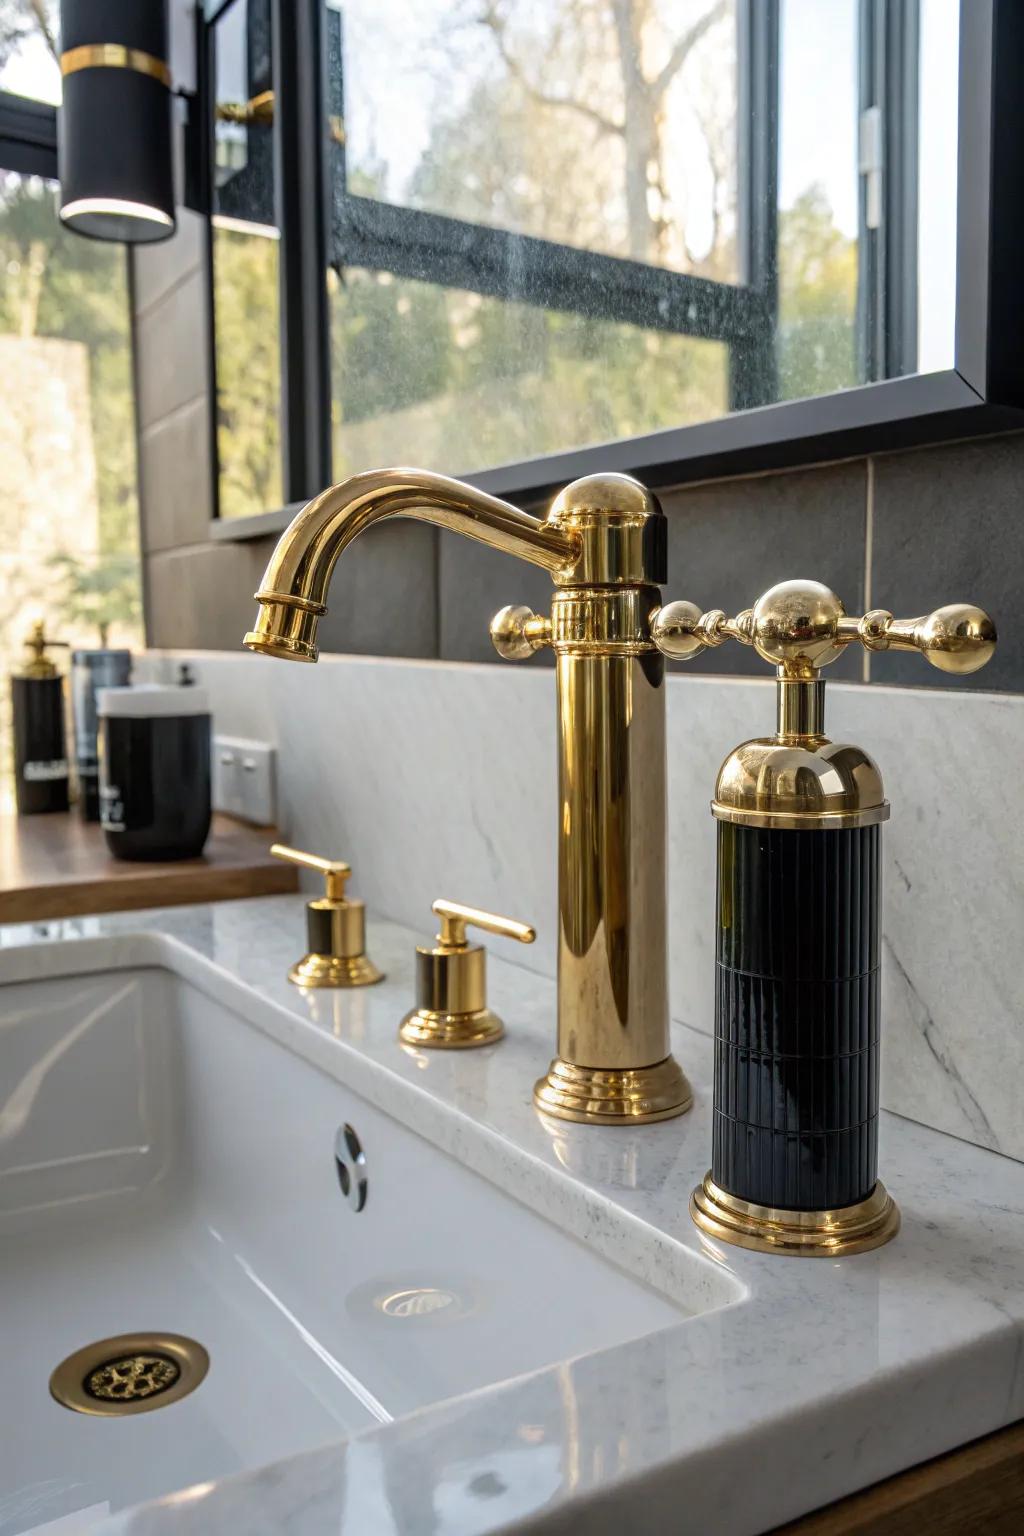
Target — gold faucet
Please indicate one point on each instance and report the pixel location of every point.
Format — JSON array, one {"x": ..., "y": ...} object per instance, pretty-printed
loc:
[{"x": 603, "y": 543}]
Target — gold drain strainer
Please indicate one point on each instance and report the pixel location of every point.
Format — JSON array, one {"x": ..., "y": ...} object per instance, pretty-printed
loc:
[{"x": 130, "y": 1374}]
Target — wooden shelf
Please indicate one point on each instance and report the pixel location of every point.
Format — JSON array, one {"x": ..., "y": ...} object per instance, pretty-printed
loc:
[{"x": 59, "y": 866}]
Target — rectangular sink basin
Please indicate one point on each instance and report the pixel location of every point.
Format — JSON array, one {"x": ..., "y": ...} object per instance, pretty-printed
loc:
[{"x": 166, "y": 1168}]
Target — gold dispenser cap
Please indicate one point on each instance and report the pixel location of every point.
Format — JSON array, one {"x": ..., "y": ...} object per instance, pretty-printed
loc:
[
  {"x": 798, "y": 778},
  {"x": 336, "y": 928},
  {"x": 39, "y": 665},
  {"x": 451, "y": 982}
]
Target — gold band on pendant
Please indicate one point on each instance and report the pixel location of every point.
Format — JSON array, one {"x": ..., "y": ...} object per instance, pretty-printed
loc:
[{"x": 114, "y": 56}]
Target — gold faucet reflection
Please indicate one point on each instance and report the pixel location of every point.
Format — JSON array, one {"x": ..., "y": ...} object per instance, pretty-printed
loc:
[{"x": 603, "y": 543}]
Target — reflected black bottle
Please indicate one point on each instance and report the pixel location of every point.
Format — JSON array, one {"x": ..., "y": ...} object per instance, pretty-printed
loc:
[{"x": 40, "y": 750}]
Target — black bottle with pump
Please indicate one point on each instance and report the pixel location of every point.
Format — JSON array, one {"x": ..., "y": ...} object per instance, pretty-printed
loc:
[
  {"x": 40, "y": 750},
  {"x": 794, "y": 1162}
]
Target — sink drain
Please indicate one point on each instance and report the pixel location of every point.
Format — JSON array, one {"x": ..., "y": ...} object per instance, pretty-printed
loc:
[{"x": 132, "y": 1373}]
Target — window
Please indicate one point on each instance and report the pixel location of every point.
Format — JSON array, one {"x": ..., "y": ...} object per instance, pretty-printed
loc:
[
  {"x": 544, "y": 225},
  {"x": 68, "y": 507}
]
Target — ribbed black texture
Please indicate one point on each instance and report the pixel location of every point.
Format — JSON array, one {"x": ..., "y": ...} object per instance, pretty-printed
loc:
[{"x": 796, "y": 1016}]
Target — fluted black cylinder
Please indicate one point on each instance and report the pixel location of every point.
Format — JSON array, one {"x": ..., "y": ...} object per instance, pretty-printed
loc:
[{"x": 796, "y": 1016}]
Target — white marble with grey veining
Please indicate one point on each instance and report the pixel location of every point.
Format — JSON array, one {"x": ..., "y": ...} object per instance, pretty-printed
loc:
[
  {"x": 806, "y": 1381},
  {"x": 438, "y": 778}
]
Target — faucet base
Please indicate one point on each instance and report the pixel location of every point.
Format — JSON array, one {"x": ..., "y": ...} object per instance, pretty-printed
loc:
[
  {"x": 809, "y": 1234},
  {"x": 613, "y": 1096},
  {"x": 440, "y": 1031},
  {"x": 335, "y": 971}
]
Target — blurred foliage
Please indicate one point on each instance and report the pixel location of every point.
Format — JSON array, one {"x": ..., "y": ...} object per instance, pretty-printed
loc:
[
  {"x": 816, "y": 339},
  {"x": 61, "y": 285},
  {"x": 248, "y": 372},
  {"x": 99, "y": 594}
]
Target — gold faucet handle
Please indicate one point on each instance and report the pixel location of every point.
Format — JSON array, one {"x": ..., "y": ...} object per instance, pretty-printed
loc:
[
  {"x": 681, "y": 631},
  {"x": 957, "y": 638},
  {"x": 334, "y": 871},
  {"x": 455, "y": 918},
  {"x": 336, "y": 928},
  {"x": 451, "y": 1011},
  {"x": 516, "y": 632},
  {"x": 801, "y": 626}
]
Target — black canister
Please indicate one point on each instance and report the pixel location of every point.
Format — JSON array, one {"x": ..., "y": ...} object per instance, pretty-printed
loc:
[
  {"x": 154, "y": 751},
  {"x": 91, "y": 671},
  {"x": 40, "y": 751}
]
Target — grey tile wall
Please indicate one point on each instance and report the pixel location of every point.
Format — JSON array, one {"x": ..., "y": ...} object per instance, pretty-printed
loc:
[
  {"x": 175, "y": 486},
  {"x": 732, "y": 540},
  {"x": 474, "y": 582},
  {"x": 947, "y": 526}
]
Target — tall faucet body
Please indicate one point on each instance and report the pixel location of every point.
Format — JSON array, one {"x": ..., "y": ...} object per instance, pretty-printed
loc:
[{"x": 603, "y": 542}]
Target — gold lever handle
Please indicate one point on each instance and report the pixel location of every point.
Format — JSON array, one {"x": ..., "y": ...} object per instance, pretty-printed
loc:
[
  {"x": 334, "y": 871},
  {"x": 516, "y": 632},
  {"x": 455, "y": 918},
  {"x": 258, "y": 109},
  {"x": 681, "y": 631},
  {"x": 958, "y": 638}
]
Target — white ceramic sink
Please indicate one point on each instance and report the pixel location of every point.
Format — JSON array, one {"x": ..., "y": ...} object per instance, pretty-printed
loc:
[{"x": 167, "y": 1167}]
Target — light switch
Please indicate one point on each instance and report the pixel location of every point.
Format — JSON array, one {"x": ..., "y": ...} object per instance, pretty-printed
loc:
[{"x": 243, "y": 779}]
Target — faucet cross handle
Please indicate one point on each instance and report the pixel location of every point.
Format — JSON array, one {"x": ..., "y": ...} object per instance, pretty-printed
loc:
[{"x": 801, "y": 626}]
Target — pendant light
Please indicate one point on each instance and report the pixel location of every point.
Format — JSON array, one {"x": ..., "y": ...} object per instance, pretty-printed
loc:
[{"x": 114, "y": 125}]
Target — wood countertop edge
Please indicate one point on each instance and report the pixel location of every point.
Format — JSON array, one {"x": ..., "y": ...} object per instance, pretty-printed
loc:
[{"x": 237, "y": 863}]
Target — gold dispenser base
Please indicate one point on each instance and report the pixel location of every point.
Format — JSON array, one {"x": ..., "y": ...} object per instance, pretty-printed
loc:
[
  {"x": 616, "y": 1096},
  {"x": 335, "y": 971},
  {"x": 450, "y": 1031},
  {"x": 804, "y": 1234}
]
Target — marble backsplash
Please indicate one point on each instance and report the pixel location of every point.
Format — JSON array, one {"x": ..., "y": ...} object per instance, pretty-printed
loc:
[{"x": 436, "y": 778}]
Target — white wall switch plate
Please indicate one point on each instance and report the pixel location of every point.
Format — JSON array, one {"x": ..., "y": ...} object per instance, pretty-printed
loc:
[{"x": 243, "y": 779}]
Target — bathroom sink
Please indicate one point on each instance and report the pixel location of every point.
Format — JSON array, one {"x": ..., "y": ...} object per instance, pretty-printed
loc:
[{"x": 167, "y": 1168}]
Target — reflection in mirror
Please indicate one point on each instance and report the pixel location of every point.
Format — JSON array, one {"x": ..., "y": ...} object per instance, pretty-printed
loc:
[
  {"x": 556, "y": 222},
  {"x": 245, "y": 263}
]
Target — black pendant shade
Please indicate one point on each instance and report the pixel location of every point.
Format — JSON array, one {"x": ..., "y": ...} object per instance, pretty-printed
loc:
[{"x": 114, "y": 131}]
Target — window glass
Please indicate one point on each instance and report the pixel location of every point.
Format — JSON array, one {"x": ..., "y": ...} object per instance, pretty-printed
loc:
[
  {"x": 937, "y": 137},
  {"x": 816, "y": 339},
  {"x": 454, "y": 381},
  {"x": 245, "y": 264},
  {"x": 30, "y": 48},
  {"x": 491, "y": 113},
  {"x": 68, "y": 509},
  {"x": 542, "y": 119}
]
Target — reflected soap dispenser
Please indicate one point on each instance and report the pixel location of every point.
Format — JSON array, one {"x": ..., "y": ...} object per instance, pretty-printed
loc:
[
  {"x": 794, "y": 1165},
  {"x": 40, "y": 749}
]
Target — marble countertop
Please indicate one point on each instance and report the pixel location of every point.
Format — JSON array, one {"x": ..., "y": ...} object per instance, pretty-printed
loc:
[{"x": 816, "y": 1377}]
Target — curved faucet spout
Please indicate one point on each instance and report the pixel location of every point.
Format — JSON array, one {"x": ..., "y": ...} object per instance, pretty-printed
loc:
[{"x": 293, "y": 593}]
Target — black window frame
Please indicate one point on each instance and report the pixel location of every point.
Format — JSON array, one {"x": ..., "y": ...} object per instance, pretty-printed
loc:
[
  {"x": 28, "y": 136},
  {"x": 982, "y": 392}
]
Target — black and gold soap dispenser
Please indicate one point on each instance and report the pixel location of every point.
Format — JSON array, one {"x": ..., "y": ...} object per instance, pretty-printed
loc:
[
  {"x": 794, "y": 1166},
  {"x": 40, "y": 749}
]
